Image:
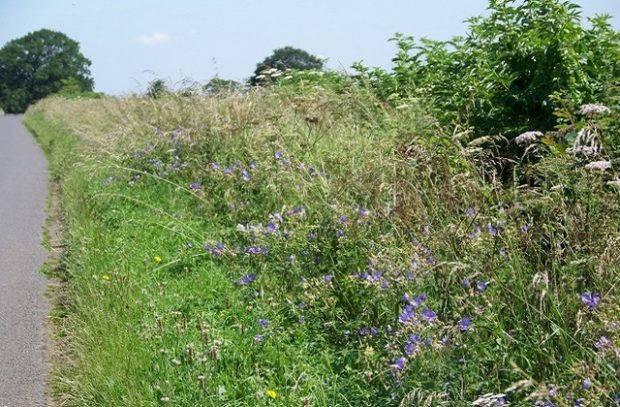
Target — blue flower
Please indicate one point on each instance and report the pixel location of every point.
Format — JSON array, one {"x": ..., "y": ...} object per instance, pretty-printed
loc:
[
  {"x": 245, "y": 176},
  {"x": 259, "y": 338},
  {"x": 470, "y": 212},
  {"x": 263, "y": 323},
  {"x": 464, "y": 324},
  {"x": 194, "y": 186},
  {"x": 482, "y": 285},
  {"x": 466, "y": 284},
  {"x": 247, "y": 279},
  {"x": 590, "y": 300},
  {"x": 429, "y": 315},
  {"x": 400, "y": 362},
  {"x": 586, "y": 384},
  {"x": 328, "y": 278}
]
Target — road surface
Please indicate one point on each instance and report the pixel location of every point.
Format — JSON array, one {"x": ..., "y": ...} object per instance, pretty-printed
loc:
[{"x": 23, "y": 307}]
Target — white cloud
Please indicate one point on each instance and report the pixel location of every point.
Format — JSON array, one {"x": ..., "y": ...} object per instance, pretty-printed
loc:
[{"x": 157, "y": 38}]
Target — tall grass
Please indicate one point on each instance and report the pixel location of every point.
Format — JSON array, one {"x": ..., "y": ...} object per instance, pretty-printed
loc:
[{"x": 287, "y": 248}]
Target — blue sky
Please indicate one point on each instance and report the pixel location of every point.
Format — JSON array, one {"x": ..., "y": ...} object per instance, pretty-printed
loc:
[{"x": 133, "y": 41}]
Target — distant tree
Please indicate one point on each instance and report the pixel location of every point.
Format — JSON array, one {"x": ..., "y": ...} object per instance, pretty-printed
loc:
[
  {"x": 283, "y": 59},
  {"x": 34, "y": 66},
  {"x": 217, "y": 85},
  {"x": 156, "y": 88}
]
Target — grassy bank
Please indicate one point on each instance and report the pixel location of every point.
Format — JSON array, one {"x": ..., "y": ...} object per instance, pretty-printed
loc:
[{"x": 323, "y": 249}]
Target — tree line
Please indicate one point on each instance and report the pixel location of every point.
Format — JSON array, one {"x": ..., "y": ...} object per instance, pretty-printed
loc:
[{"x": 46, "y": 62}]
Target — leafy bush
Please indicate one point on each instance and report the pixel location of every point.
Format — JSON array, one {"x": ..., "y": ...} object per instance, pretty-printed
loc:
[{"x": 505, "y": 75}]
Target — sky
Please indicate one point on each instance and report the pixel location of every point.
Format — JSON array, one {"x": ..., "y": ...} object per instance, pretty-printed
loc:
[{"x": 131, "y": 42}]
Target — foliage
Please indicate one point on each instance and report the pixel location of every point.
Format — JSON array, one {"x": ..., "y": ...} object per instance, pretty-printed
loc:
[
  {"x": 282, "y": 59},
  {"x": 221, "y": 86},
  {"x": 34, "y": 66},
  {"x": 505, "y": 75},
  {"x": 322, "y": 248},
  {"x": 157, "y": 88}
]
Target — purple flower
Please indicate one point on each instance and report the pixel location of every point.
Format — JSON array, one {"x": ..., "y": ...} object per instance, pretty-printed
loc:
[
  {"x": 482, "y": 285},
  {"x": 590, "y": 300},
  {"x": 253, "y": 165},
  {"x": 263, "y": 323},
  {"x": 363, "y": 213},
  {"x": 215, "y": 166},
  {"x": 419, "y": 300},
  {"x": 245, "y": 176},
  {"x": 464, "y": 324},
  {"x": 493, "y": 231},
  {"x": 363, "y": 331},
  {"x": 415, "y": 338},
  {"x": 466, "y": 284},
  {"x": 339, "y": 233},
  {"x": 271, "y": 228},
  {"x": 301, "y": 320},
  {"x": 429, "y": 315},
  {"x": 256, "y": 250},
  {"x": 278, "y": 155},
  {"x": 259, "y": 338},
  {"x": 586, "y": 384},
  {"x": 328, "y": 278},
  {"x": 400, "y": 362},
  {"x": 229, "y": 170},
  {"x": 407, "y": 315},
  {"x": 602, "y": 343},
  {"x": 470, "y": 212},
  {"x": 343, "y": 219},
  {"x": 410, "y": 348},
  {"x": 247, "y": 279},
  {"x": 195, "y": 186}
]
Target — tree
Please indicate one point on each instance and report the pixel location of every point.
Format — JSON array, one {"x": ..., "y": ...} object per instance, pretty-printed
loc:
[
  {"x": 285, "y": 58},
  {"x": 218, "y": 86},
  {"x": 34, "y": 66},
  {"x": 156, "y": 88}
]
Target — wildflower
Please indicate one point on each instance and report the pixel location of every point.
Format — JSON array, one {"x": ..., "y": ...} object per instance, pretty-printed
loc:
[
  {"x": 599, "y": 165},
  {"x": 590, "y": 300},
  {"x": 410, "y": 348},
  {"x": 466, "y": 284},
  {"x": 464, "y": 324},
  {"x": 492, "y": 229},
  {"x": 400, "y": 363},
  {"x": 429, "y": 315},
  {"x": 528, "y": 137},
  {"x": 245, "y": 176},
  {"x": 482, "y": 285},
  {"x": 470, "y": 212},
  {"x": 157, "y": 259},
  {"x": 363, "y": 331},
  {"x": 602, "y": 343},
  {"x": 194, "y": 186},
  {"x": 278, "y": 155},
  {"x": 340, "y": 233},
  {"x": 343, "y": 219},
  {"x": 253, "y": 165},
  {"x": 271, "y": 394},
  {"x": 215, "y": 166},
  {"x": 259, "y": 338},
  {"x": 229, "y": 170},
  {"x": 256, "y": 250},
  {"x": 247, "y": 279},
  {"x": 586, "y": 384},
  {"x": 105, "y": 277},
  {"x": 263, "y": 323},
  {"x": 271, "y": 228},
  {"x": 407, "y": 315},
  {"x": 363, "y": 213},
  {"x": 328, "y": 278},
  {"x": 593, "y": 109}
]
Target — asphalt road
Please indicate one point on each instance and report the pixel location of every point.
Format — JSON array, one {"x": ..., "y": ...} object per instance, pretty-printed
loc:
[{"x": 23, "y": 307}]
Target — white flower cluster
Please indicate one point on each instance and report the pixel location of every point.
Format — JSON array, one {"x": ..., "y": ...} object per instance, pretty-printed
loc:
[
  {"x": 599, "y": 165},
  {"x": 593, "y": 109},
  {"x": 528, "y": 137}
]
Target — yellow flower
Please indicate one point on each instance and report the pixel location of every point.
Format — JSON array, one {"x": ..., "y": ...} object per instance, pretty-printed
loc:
[
  {"x": 271, "y": 393},
  {"x": 157, "y": 259},
  {"x": 105, "y": 277}
]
